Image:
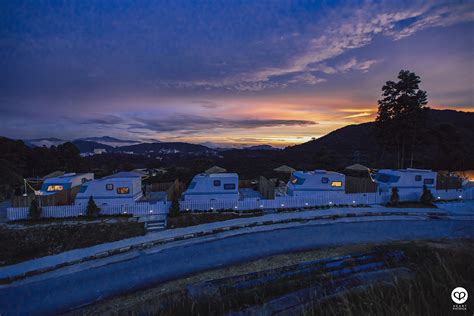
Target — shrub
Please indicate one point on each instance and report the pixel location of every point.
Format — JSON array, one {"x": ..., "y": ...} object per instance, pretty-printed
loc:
[
  {"x": 426, "y": 198},
  {"x": 394, "y": 198},
  {"x": 34, "y": 211},
  {"x": 174, "y": 209},
  {"x": 92, "y": 209}
]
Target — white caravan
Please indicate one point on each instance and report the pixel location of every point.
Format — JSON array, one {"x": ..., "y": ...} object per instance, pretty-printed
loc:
[
  {"x": 64, "y": 182},
  {"x": 118, "y": 189},
  {"x": 216, "y": 186},
  {"x": 407, "y": 181},
  {"x": 308, "y": 183}
]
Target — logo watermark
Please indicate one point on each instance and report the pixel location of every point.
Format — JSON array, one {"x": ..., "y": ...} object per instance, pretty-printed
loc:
[{"x": 459, "y": 296}]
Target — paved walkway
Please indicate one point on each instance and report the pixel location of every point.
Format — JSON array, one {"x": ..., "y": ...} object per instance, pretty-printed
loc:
[
  {"x": 72, "y": 287},
  {"x": 260, "y": 223}
]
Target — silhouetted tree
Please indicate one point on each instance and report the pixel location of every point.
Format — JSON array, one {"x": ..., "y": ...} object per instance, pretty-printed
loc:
[
  {"x": 174, "y": 209},
  {"x": 394, "y": 197},
  {"x": 426, "y": 198},
  {"x": 401, "y": 115},
  {"x": 92, "y": 210},
  {"x": 34, "y": 211}
]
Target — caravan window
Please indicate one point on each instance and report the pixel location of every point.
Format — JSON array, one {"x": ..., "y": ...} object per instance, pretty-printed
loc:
[
  {"x": 297, "y": 180},
  {"x": 336, "y": 184},
  {"x": 428, "y": 181},
  {"x": 123, "y": 190},
  {"x": 217, "y": 183},
  {"x": 418, "y": 177},
  {"x": 54, "y": 187},
  {"x": 109, "y": 186},
  {"x": 229, "y": 186},
  {"x": 324, "y": 180}
]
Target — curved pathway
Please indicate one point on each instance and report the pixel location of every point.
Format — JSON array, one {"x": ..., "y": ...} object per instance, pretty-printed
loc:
[{"x": 68, "y": 291}]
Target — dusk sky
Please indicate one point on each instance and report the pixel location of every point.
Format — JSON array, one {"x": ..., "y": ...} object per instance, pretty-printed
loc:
[{"x": 226, "y": 72}]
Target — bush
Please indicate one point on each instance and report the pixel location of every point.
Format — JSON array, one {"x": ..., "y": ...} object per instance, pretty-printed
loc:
[
  {"x": 34, "y": 212},
  {"x": 174, "y": 209},
  {"x": 394, "y": 198},
  {"x": 92, "y": 209},
  {"x": 426, "y": 198}
]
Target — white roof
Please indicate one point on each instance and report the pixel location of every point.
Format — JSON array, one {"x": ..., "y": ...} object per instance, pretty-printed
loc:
[{"x": 220, "y": 175}]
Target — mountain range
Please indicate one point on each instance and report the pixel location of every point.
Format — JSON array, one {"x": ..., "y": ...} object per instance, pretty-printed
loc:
[{"x": 447, "y": 143}]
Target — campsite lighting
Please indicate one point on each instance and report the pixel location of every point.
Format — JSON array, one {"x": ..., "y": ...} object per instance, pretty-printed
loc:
[
  {"x": 439, "y": 197},
  {"x": 261, "y": 205},
  {"x": 306, "y": 204},
  {"x": 283, "y": 205},
  {"x": 330, "y": 203},
  {"x": 151, "y": 211},
  {"x": 187, "y": 209},
  {"x": 235, "y": 206},
  {"x": 212, "y": 208},
  {"x": 460, "y": 196}
]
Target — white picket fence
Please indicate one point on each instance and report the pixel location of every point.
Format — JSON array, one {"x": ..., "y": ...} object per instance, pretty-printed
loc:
[
  {"x": 285, "y": 202},
  {"x": 142, "y": 208},
  {"x": 327, "y": 198}
]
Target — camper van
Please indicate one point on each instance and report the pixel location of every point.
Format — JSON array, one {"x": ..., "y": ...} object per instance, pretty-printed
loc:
[
  {"x": 64, "y": 182},
  {"x": 307, "y": 183},
  {"x": 216, "y": 186},
  {"x": 118, "y": 189},
  {"x": 407, "y": 181}
]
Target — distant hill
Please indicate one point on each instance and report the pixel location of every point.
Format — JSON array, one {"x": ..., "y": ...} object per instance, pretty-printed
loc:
[
  {"x": 44, "y": 142},
  {"x": 88, "y": 146},
  {"x": 165, "y": 148},
  {"x": 111, "y": 141},
  {"x": 261, "y": 147},
  {"x": 447, "y": 145}
]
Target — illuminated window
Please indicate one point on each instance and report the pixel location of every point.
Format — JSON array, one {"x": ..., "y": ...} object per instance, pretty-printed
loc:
[
  {"x": 55, "y": 187},
  {"x": 325, "y": 180},
  {"x": 109, "y": 186},
  {"x": 336, "y": 184},
  {"x": 217, "y": 183},
  {"x": 123, "y": 190},
  {"x": 297, "y": 180}
]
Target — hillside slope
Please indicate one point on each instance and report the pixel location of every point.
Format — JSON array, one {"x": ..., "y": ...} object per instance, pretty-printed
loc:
[{"x": 447, "y": 144}]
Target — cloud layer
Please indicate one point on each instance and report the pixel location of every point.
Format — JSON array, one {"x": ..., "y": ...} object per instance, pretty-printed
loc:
[{"x": 184, "y": 70}]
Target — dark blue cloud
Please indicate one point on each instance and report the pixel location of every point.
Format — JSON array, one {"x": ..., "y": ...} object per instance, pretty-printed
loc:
[{"x": 65, "y": 60}]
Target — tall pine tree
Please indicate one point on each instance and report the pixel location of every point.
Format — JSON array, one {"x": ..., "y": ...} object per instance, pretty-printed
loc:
[{"x": 401, "y": 116}]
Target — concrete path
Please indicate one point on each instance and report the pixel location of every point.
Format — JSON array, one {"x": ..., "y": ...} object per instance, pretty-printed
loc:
[
  {"x": 455, "y": 210},
  {"x": 64, "y": 291},
  {"x": 49, "y": 263}
]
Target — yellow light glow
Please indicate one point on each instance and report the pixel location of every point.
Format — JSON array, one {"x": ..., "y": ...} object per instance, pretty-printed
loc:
[{"x": 52, "y": 188}]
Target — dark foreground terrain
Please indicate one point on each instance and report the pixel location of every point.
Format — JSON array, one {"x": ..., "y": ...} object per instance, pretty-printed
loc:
[{"x": 399, "y": 278}]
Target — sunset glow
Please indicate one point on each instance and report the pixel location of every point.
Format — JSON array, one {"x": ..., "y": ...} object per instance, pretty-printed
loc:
[{"x": 262, "y": 77}]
